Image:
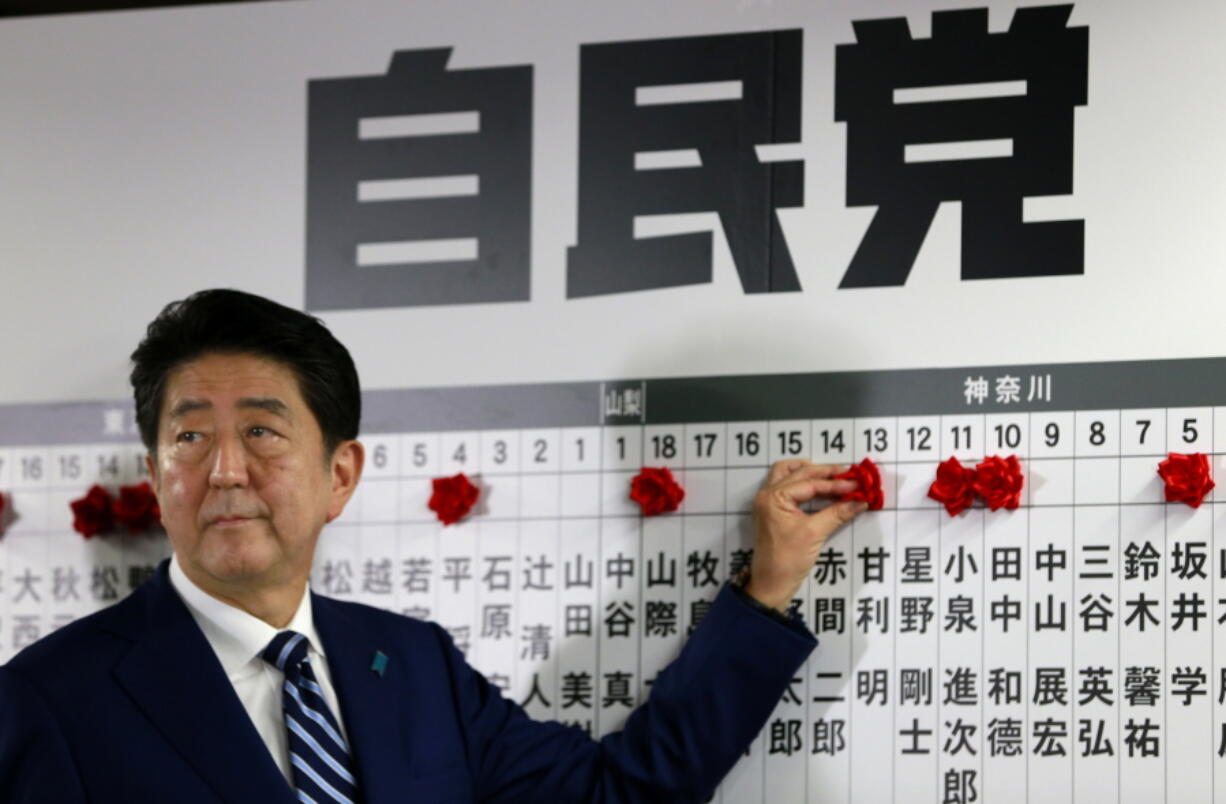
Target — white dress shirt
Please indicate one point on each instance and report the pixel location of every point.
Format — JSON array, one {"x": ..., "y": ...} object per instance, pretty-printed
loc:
[{"x": 238, "y": 638}]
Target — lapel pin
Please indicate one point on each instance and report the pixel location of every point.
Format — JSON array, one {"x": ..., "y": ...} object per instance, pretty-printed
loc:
[{"x": 379, "y": 663}]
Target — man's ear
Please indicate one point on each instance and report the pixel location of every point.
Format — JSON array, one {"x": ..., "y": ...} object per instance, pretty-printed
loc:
[{"x": 346, "y": 467}]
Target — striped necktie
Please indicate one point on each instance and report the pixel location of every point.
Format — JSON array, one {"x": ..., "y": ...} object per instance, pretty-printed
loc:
[{"x": 322, "y": 768}]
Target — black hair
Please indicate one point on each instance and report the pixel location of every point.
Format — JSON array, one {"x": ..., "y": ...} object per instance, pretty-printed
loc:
[{"x": 223, "y": 321}]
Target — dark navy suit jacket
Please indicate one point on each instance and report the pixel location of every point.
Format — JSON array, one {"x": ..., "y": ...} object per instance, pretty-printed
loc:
[{"x": 131, "y": 705}]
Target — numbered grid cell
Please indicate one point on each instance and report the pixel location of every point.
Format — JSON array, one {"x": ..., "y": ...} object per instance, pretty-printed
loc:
[
  {"x": 540, "y": 496},
  {"x": 499, "y": 452},
  {"x": 1096, "y": 481},
  {"x": 461, "y": 452},
  {"x": 706, "y": 445},
  {"x": 1143, "y": 431},
  {"x": 540, "y": 451},
  {"x": 741, "y": 486},
  {"x": 66, "y": 467},
  {"x": 962, "y": 438},
  {"x": 662, "y": 446},
  {"x": 1052, "y": 435},
  {"x": 580, "y": 448},
  {"x": 420, "y": 453},
  {"x": 580, "y": 495},
  {"x": 1139, "y": 480},
  {"x": 874, "y": 438},
  {"x": 919, "y": 439},
  {"x": 1050, "y": 482},
  {"x": 704, "y": 491},
  {"x": 1007, "y": 434},
  {"x": 382, "y": 456},
  {"x": 747, "y": 444},
  {"x": 831, "y": 440},
  {"x": 622, "y": 448},
  {"x": 1189, "y": 430},
  {"x": 1098, "y": 433},
  {"x": 788, "y": 440},
  {"x": 30, "y": 469},
  {"x": 912, "y": 481}
]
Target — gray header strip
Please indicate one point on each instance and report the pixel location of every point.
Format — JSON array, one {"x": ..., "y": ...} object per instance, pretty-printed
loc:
[{"x": 1064, "y": 386}]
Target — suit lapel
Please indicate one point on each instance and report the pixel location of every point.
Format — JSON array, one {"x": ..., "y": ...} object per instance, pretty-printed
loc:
[
  {"x": 173, "y": 675},
  {"x": 367, "y": 700}
]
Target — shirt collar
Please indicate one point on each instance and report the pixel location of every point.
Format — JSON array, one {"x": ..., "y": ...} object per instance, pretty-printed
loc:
[{"x": 237, "y": 637}]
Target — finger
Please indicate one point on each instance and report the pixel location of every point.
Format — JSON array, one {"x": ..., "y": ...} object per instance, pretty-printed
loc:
[
  {"x": 782, "y": 469},
  {"x": 803, "y": 470},
  {"x": 805, "y": 489},
  {"x": 832, "y": 517}
]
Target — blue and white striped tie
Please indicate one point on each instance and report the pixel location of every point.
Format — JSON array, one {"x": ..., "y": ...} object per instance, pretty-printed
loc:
[{"x": 322, "y": 767}]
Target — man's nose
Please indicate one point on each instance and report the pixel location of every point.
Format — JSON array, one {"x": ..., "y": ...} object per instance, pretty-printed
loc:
[{"x": 229, "y": 463}]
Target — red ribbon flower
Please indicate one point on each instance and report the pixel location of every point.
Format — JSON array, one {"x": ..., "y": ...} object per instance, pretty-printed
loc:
[
  {"x": 868, "y": 476},
  {"x": 137, "y": 508},
  {"x": 999, "y": 482},
  {"x": 92, "y": 514},
  {"x": 3, "y": 503},
  {"x": 656, "y": 491},
  {"x": 453, "y": 498},
  {"x": 1186, "y": 477},
  {"x": 954, "y": 487}
]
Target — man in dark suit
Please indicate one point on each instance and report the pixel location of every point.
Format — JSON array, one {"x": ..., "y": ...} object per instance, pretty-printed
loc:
[{"x": 224, "y": 679}]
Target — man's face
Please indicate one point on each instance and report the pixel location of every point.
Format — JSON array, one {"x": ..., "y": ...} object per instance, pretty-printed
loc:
[{"x": 241, "y": 475}]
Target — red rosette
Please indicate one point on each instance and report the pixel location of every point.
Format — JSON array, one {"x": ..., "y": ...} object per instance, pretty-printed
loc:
[
  {"x": 999, "y": 482},
  {"x": 137, "y": 508},
  {"x": 656, "y": 491},
  {"x": 453, "y": 498},
  {"x": 868, "y": 476},
  {"x": 1186, "y": 477},
  {"x": 954, "y": 487},
  {"x": 93, "y": 514}
]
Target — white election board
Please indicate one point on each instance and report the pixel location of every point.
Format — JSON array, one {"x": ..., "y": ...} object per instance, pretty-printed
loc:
[{"x": 1063, "y": 650}]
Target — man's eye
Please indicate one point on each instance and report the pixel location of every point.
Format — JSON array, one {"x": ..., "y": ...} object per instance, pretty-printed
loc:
[
  {"x": 259, "y": 432},
  {"x": 189, "y": 437}
]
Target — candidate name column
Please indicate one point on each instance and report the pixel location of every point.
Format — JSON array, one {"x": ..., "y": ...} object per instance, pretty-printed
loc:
[
  {"x": 830, "y": 668},
  {"x": 961, "y": 615},
  {"x": 1189, "y": 639},
  {"x": 1096, "y": 602},
  {"x": 1141, "y": 584},
  {"x": 1046, "y": 685},
  {"x": 917, "y": 575}
]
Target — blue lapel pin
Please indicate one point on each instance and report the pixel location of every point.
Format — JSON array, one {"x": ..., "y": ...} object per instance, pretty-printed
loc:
[{"x": 379, "y": 663}]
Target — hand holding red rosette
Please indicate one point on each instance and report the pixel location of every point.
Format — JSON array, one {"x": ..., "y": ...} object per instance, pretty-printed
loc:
[
  {"x": 999, "y": 482},
  {"x": 453, "y": 498},
  {"x": 954, "y": 487},
  {"x": 868, "y": 476},
  {"x": 656, "y": 491},
  {"x": 92, "y": 514},
  {"x": 137, "y": 508},
  {"x": 1186, "y": 477}
]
